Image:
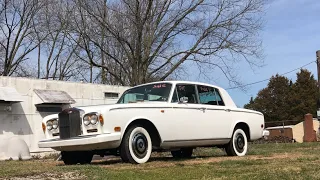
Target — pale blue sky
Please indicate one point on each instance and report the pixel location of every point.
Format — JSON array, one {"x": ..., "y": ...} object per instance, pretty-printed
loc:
[{"x": 291, "y": 37}]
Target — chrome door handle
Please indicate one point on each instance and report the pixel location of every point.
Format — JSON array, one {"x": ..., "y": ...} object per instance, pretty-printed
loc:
[
  {"x": 228, "y": 110},
  {"x": 202, "y": 109}
]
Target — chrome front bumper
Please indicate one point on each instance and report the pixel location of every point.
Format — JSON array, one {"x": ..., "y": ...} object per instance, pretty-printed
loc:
[{"x": 81, "y": 141}]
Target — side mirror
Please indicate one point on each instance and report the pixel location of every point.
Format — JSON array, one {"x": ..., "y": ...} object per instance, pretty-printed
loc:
[{"x": 183, "y": 100}]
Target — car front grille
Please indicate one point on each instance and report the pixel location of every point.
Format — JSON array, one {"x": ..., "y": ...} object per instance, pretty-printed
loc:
[{"x": 69, "y": 123}]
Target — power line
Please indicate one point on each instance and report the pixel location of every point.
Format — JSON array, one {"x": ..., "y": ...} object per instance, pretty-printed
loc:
[{"x": 270, "y": 78}]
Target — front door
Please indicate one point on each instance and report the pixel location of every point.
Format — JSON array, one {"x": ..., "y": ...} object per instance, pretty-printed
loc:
[{"x": 188, "y": 118}]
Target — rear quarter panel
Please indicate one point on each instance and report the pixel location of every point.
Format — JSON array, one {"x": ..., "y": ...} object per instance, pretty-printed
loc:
[{"x": 253, "y": 119}]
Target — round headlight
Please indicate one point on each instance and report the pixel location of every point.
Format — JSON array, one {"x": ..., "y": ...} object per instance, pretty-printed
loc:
[
  {"x": 49, "y": 125},
  {"x": 86, "y": 120},
  {"x": 94, "y": 119},
  {"x": 55, "y": 124}
]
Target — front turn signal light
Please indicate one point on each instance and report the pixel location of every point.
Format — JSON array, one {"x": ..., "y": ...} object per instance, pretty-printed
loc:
[
  {"x": 117, "y": 129},
  {"x": 43, "y": 127},
  {"x": 101, "y": 119}
]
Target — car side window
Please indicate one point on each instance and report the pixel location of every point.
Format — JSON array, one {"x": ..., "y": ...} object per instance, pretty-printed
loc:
[
  {"x": 209, "y": 95},
  {"x": 189, "y": 91}
]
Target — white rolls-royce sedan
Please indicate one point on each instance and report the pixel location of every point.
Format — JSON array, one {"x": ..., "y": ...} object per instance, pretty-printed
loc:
[{"x": 175, "y": 116}]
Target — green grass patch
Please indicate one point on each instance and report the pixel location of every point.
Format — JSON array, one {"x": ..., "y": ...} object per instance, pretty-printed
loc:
[{"x": 264, "y": 161}]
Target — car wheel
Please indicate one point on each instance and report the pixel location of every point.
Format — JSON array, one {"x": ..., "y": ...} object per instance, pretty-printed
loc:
[
  {"x": 182, "y": 153},
  {"x": 75, "y": 157},
  {"x": 69, "y": 157},
  {"x": 238, "y": 144},
  {"x": 85, "y": 157},
  {"x": 136, "y": 145},
  {"x": 123, "y": 154}
]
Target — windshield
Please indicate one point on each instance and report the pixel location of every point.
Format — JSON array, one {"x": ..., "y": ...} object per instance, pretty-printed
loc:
[{"x": 152, "y": 92}]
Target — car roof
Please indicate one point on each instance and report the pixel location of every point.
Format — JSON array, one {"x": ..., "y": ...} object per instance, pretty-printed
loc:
[
  {"x": 181, "y": 82},
  {"x": 225, "y": 95}
]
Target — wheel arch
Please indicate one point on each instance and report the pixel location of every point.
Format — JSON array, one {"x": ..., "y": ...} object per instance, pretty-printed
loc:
[
  {"x": 245, "y": 127},
  {"x": 150, "y": 127}
]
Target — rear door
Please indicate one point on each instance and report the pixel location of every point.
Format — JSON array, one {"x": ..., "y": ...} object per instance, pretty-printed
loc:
[{"x": 217, "y": 118}]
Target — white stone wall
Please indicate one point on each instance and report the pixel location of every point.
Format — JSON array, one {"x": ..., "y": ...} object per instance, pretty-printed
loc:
[{"x": 24, "y": 121}]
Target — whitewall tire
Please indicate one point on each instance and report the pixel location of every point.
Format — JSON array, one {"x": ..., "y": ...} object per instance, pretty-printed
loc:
[
  {"x": 136, "y": 145},
  {"x": 238, "y": 145}
]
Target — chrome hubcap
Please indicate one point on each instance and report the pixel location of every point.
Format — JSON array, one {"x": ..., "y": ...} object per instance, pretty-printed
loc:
[
  {"x": 239, "y": 143},
  {"x": 139, "y": 145}
]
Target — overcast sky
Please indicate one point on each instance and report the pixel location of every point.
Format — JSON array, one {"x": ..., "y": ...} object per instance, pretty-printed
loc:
[{"x": 291, "y": 37}]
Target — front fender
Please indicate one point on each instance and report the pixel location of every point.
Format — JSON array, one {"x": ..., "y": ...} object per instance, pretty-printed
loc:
[{"x": 130, "y": 121}]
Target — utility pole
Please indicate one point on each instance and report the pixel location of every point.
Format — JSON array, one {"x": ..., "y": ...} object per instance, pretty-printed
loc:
[{"x": 318, "y": 69}]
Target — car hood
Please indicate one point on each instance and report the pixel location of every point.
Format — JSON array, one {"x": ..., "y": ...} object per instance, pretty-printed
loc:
[{"x": 108, "y": 107}]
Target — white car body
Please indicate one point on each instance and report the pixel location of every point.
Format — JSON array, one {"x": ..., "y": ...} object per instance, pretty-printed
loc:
[{"x": 175, "y": 124}]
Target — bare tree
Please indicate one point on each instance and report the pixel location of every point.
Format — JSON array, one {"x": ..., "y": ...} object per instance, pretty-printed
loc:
[
  {"x": 128, "y": 42},
  {"x": 88, "y": 52},
  {"x": 16, "y": 38},
  {"x": 58, "y": 49},
  {"x": 150, "y": 39}
]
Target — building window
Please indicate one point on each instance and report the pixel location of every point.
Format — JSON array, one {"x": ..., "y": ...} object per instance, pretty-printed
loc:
[
  {"x": 56, "y": 109},
  {"x": 111, "y": 95}
]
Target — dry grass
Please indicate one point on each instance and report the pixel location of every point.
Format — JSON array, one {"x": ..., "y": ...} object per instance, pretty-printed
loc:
[
  {"x": 269, "y": 161},
  {"x": 51, "y": 176}
]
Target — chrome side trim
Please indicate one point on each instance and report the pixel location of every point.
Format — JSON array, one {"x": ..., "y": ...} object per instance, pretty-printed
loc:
[
  {"x": 215, "y": 109},
  {"x": 247, "y": 112},
  {"x": 194, "y": 143},
  {"x": 196, "y": 108},
  {"x": 112, "y": 109}
]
